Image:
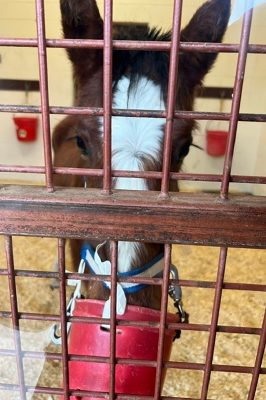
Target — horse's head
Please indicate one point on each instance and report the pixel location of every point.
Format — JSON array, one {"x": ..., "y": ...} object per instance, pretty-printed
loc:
[{"x": 140, "y": 82}]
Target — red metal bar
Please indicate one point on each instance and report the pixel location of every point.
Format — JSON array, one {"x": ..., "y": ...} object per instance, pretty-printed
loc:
[
  {"x": 214, "y": 323},
  {"x": 56, "y": 391},
  {"x": 237, "y": 369},
  {"x": 183, "y": 326},
  {"x": 258, "y": 362},
  {"x": 42, "y": 54},
  {"x": 31, "y": 354},
  {"x": 198, "y": 115},
  {"x": 32, "y": 389},
  {"x": 15, "y": 315},
  {"x": 238, "y": 86},
  {"x": 22, "y": 169},
  {"x": 107, "y": 96},
  {"x": 163, "y": 316},
  {"x": 133, "y": 45},
  {"x": 134, "y": 174},
  {"x": 133, "y": 362},
  {"x": 63, "y": 317},
  {"x": 171, "y": 96},
  {"x": 196, "y": 367},
  {"x": 113, "y": 324},
  {"x": 31, "y": 316},
  {"x": 148, "y": 281}
]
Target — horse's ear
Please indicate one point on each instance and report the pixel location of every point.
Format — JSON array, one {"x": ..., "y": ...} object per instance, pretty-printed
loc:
[{"x": 207, "y": 25}]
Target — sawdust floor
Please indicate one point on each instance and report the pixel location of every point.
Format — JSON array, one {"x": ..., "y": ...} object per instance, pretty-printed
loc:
[{"x": 238, "y": 308}]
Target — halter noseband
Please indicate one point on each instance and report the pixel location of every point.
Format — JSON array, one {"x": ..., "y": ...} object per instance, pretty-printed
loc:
[{"x": 153, "y": 269}]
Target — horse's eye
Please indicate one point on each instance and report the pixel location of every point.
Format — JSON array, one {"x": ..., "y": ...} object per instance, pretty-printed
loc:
[{"x": 82, "y": 146}]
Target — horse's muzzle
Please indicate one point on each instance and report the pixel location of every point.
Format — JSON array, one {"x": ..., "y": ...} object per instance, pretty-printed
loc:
[{"x": 132, "y": 343}]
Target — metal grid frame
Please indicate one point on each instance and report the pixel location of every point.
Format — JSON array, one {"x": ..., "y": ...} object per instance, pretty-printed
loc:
[{"x": 21, "y": 209}]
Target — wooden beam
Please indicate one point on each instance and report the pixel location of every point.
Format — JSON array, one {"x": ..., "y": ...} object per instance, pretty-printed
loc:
[{"x": 186, "y": 218}]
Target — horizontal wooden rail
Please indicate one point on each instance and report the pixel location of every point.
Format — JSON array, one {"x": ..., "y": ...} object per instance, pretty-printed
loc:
[{"x": 188, "y": 218}]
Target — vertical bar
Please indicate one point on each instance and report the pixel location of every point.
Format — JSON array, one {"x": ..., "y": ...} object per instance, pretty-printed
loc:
[
  {"x": 165, "y": 286},
  {"x": 171, "y": 97},
  {"x": 238, "y": 86},
  {"x": 258, "y": 362},
  {"x": 113, "y": 320},
  {"x": 42, "y": 55},
  {"x": 107, "y": 96},
  {"x": 214, "y": 322},
  {"x": 62, "y": 293},
  {"x": 14, "y": 312}
]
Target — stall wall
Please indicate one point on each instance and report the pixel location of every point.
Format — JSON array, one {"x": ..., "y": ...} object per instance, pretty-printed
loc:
[{"x": 17, "y": 19}]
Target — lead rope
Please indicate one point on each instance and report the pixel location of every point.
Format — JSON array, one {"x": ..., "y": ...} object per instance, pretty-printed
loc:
[{"x": 54, "y": 333}]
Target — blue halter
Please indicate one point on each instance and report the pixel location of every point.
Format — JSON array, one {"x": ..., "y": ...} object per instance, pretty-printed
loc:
[{"x": 156, "y": 264}]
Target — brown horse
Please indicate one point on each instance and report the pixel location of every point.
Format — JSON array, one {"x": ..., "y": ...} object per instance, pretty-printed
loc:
[{"x": 140, "y": 81}]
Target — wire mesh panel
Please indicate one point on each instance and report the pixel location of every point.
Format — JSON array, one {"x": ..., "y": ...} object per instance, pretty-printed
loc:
[
  {"x": 23, "y": 315},
  {"x": 176, "y": 222}
]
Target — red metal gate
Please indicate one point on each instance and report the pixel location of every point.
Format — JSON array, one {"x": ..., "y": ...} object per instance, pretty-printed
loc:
[{"x": 176, "y": 218}]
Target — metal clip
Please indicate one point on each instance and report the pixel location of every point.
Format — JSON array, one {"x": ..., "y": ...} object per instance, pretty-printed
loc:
[{"x": 175, "y": 292}]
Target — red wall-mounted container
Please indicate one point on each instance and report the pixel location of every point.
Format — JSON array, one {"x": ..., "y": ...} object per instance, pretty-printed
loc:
[
  {"x": 216, "y": 142},
  {"x": 26, "y": 128}
]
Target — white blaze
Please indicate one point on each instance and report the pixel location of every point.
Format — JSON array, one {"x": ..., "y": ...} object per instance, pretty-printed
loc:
[{"x": 132, "y": 140}]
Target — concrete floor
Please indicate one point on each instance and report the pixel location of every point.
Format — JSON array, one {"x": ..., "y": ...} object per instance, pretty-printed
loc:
[{"x": 238, "y": 308}]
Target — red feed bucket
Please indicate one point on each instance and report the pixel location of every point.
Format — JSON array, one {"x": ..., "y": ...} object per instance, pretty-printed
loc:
[
  {"x": 216, "y": 142},
  {"x": 26, "y": 128},
  {"x": 132, "y": 342}
]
